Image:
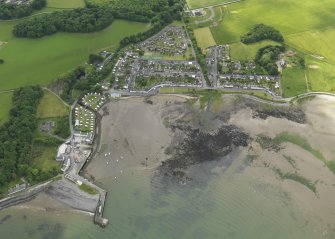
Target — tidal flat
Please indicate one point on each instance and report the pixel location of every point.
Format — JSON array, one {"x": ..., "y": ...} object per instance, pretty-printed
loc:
[{"x": 177, "y": 168}]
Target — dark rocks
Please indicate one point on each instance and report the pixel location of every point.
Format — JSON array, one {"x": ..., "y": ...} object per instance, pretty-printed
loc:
[
  {"x": 201, "y": 146},
  {"x": 291, "y": 113}
]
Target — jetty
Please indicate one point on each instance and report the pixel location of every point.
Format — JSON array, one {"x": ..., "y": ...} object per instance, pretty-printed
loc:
[{"x": 98, "y": 216}]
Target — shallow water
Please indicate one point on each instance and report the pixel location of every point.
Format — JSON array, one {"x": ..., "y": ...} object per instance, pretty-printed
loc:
[
  {"x": 225, "y": 203},
  {"x": 224, "y": 200}
]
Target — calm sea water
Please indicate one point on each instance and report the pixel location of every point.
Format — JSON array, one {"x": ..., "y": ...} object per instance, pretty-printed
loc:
[{"x": 219, "y": 204}]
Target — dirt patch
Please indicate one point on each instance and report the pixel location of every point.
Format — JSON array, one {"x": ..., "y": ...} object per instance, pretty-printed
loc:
[{"x": 313, "y": 67}]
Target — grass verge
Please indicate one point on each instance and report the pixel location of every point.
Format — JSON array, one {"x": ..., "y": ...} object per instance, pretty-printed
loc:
[{"x": 88, "y": 189}]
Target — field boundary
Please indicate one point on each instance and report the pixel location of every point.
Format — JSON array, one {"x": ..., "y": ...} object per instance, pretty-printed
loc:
[{"x": 215, "y": 5}]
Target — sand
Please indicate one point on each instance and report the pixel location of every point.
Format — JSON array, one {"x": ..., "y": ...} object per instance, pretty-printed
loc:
[
  {"x": 320, "y": 133},
  {"x": 133, "y": 137}
]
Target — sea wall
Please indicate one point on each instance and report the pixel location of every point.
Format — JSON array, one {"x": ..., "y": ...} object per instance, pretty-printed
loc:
[{"x": 23, "y": 196}]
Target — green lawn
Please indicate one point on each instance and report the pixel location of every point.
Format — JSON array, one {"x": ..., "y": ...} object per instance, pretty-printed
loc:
[
  {"x": 51, "y": 106},
  {"x": 240, "y": 51},
  {"x": 293, "y": 82},
  {"x": 6, "y": 105},
  {"x": 65, "y": 3},
  {"x": 193, "y": 4},
  {"x": 40, "y": 61}
]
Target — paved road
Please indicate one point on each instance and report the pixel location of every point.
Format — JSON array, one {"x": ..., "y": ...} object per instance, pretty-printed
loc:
[{"x": 207, "y": 19}]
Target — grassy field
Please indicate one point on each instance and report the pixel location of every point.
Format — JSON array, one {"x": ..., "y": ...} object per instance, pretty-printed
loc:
[
  {"x": 293, "y": 82},
  {"x": 204, "y": 37},
  {"x": 40, "y": 61},
  {"x": 46, "y": 159},
  {"x": 6, "y": 105},
  {"x": 65, "y": 3},
  {"x": 240, "y": 51},
  {"x": 321, "y": 75},
  {"x": 193, "y": 4},
  {"x": 51, "y": 106},
  {"x": 320, "y": 43},
  {"x": 287, "y": 16}
]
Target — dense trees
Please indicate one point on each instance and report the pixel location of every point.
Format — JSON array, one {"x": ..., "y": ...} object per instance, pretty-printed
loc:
[
  {"x": 266, "y": 58},
  {"x": 16, "y": 136},
  {"x": 262, "y": 32},
  {"x": 2, "y": 61},
  {"x": 77, "y": 20},
  {"x": 10, "y": 11},
  {"x": 94, "y": 58},
  {"x": 38, "y": 4},
  {"x": 97, "y": 17}
]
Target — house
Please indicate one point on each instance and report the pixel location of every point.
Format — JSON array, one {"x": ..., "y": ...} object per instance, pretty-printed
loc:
[{"x": 61, "y": 152}]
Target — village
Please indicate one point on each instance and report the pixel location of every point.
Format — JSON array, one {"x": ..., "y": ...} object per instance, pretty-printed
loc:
[
  {"x": 16, "y": 2},
  {"x": 226, "y": 73}
]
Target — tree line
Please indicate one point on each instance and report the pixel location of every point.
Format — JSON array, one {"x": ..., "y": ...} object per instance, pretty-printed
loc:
[
  {"x": 262, "y": 32},
  {"x": 17, "y": 134},
  {"x": 76, "y": 20},
  {"x": 11, "y": 11}
]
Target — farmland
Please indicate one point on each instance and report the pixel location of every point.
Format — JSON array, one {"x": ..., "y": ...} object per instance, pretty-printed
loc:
[
  {"x": 288, "y": 17},
  {"x": 193, "y": 4},
  {"x": 320, "y": 42},
  {"x": 321, "y": 75},
  {"x": 40, "y": 61},
  {"x": 308, "y": 28}
]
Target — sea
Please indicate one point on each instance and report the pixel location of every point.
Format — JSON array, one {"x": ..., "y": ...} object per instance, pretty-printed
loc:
[{"x": 221, "y": 202}]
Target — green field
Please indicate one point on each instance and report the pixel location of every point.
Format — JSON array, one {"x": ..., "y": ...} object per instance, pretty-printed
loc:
[
  {"x": 65, "y": 3},
  {"x": 289, "y": 17},
  {"x": 308, "y": 27},
  {"x": 204, "y": 37},
  {"x": 40, "y": 61},
  {"x": 46, "y": 158},
  {"x": 240, "y": 51},
  {"x": 6, "y": 105},
  {"x": 51, "y": 106},
  {"x": 193, "y": 4},
  {"x": 321, "y": 75},
  {"x": 293, "y": 82},
  {"x": 320, "y": 43}
]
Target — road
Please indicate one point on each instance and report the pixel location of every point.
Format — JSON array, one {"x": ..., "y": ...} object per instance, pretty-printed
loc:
[
  {"x": 207, "y": 19},
  {"x": 193, "y": 51}
]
